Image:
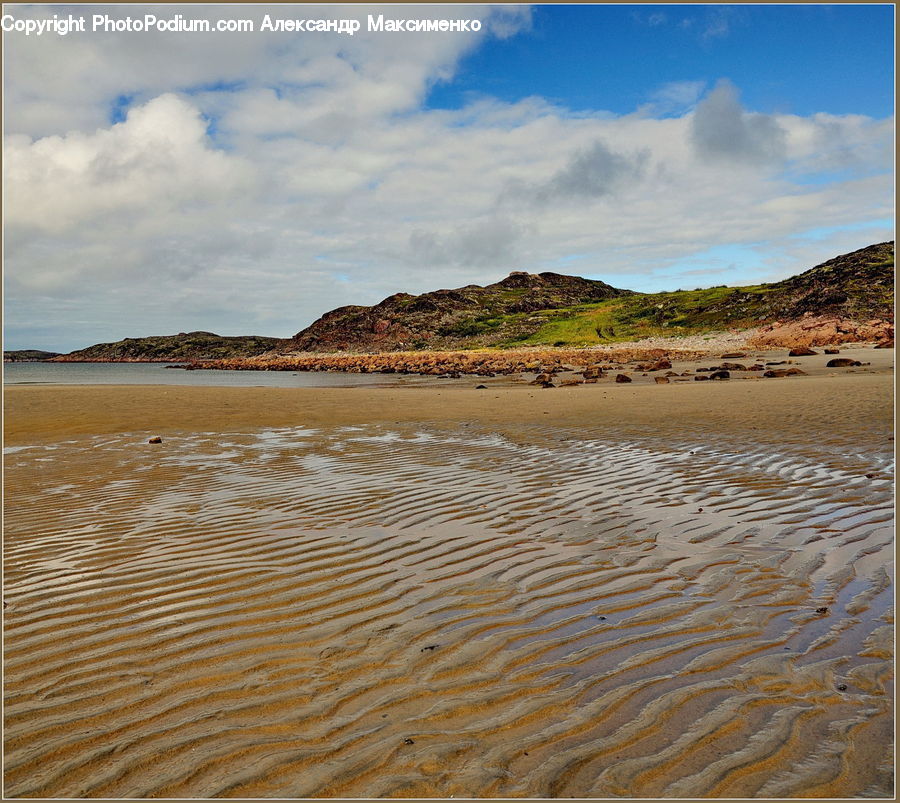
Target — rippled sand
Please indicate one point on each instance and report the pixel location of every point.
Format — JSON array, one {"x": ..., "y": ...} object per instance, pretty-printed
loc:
[{"x": 538, "y": 608}]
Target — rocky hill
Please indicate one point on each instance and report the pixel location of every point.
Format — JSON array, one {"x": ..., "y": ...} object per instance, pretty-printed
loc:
[
  {"x": 548, "y": 309},
  {"x": 449, "y": 319},
  {"x": 174, "y": 348}
]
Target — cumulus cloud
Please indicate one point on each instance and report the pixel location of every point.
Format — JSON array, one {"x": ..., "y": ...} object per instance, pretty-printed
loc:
[
  {"x": 158, "y": 160},
  {"x": 721, "y": 129}
]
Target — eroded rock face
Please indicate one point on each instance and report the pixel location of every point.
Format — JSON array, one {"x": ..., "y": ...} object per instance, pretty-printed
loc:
[{"x": 820, "y": 331}]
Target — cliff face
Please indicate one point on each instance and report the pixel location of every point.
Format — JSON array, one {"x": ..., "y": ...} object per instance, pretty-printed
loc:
[
  {"x": 173, "y": 348},
  {"x": 447, "y": 319}
]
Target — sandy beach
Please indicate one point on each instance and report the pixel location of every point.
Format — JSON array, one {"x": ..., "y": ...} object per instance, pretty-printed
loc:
[{"x": 605, "y": 590}]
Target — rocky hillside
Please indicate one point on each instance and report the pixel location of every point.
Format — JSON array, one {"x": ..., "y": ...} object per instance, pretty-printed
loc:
[
  {"x": 449, "y": 319},
  {"x": 174, "y": 348},
  {"x": 29, "y": 355},
  {"x": 548, "y": 309}
]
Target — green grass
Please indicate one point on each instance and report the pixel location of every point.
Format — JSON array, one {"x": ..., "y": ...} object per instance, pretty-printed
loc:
[{"x": 669, "y": 314}]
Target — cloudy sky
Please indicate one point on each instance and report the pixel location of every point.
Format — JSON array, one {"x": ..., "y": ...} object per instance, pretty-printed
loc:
[{"x": 245, "y": 183}]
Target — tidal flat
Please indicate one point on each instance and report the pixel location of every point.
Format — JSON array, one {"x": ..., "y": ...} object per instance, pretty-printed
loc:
[{"x": 599, "y": 591}]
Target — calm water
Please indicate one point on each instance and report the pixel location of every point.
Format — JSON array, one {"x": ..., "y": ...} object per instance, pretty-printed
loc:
[{"x": 110, "y": 373}]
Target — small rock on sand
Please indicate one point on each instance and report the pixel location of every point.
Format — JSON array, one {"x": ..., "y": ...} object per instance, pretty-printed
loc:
[{"x": 155, "y": 439}]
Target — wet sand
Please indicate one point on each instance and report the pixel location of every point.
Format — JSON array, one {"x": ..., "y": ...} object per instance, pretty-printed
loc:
[{"x": 681, "y": 590}]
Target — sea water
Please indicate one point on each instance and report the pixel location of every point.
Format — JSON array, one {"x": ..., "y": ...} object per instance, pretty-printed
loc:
[{"x": 118, "y": 373}]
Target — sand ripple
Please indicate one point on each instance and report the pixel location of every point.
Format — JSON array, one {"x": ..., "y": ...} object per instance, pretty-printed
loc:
[{"x": 365, "y": 612}]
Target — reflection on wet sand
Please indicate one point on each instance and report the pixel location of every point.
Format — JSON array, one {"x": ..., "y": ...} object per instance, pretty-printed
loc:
[{"x": 397, "y": 610}]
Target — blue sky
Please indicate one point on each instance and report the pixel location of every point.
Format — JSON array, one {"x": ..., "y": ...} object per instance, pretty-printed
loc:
[
  {"x": 799, "y": 59},
  {"x": 248, "y": 183}
]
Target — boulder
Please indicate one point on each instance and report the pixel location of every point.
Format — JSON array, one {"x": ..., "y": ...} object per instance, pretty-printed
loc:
[
  {"x": 842, "y": 362},
  {"x": 622, "y": 378},
  {"x": 801, "y": 351},
  {"x": 661, "y": 380},
  {"x": 701, "y": 378},
  {"x": 720, "y": 375}
]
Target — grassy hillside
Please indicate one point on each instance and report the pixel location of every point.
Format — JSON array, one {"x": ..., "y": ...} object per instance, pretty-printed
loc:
[{"x": 856, "y": 286}]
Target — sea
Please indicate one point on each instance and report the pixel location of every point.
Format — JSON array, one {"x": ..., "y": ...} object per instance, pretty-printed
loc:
[{"x": 112, "y": 373}]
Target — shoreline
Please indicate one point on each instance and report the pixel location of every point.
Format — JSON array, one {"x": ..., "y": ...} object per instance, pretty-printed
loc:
[{"x": 40, "y": 413}]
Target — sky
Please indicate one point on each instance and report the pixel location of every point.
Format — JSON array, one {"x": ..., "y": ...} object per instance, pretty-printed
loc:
[{"x": 157, "y": 182}]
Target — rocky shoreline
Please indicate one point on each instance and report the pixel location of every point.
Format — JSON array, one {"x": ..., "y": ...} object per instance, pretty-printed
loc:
[{"x": 451, "y": 363}]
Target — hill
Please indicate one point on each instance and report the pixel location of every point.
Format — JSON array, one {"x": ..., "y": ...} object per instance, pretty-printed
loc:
[
  {"x": 451, "y": 319},
  {"x": 174, "y": 348},
  {"x": 28, "y": 355},
  {"x": 548, "y": 309}
]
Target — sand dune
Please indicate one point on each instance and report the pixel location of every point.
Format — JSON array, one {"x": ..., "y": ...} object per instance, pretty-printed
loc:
[{"x": 472, "y": 610}]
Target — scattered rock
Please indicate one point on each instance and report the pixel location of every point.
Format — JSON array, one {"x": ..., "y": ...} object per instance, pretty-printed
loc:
[
  {"x": 408, "y": 741},
  {"x": 622, "y": 378},
  {"x": 802, "y": 351},
  {"x": 822, "y": 610},
  {"x": 720, "y": 375},
  {"x": 568, "y": 383},
  {"x": 661, "y": 380},
  {"x": 735, "y": 356},
  {"x": 155, "y": 439},
  {"x": 701, "y": 378},
  {"x": 732, "y": 366},
  {"x": 780, "y": 372},
  {"x": 780, "y": 362},
  {"x": 842, "y": 362},
  {"x": 834, "y": 351}
]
